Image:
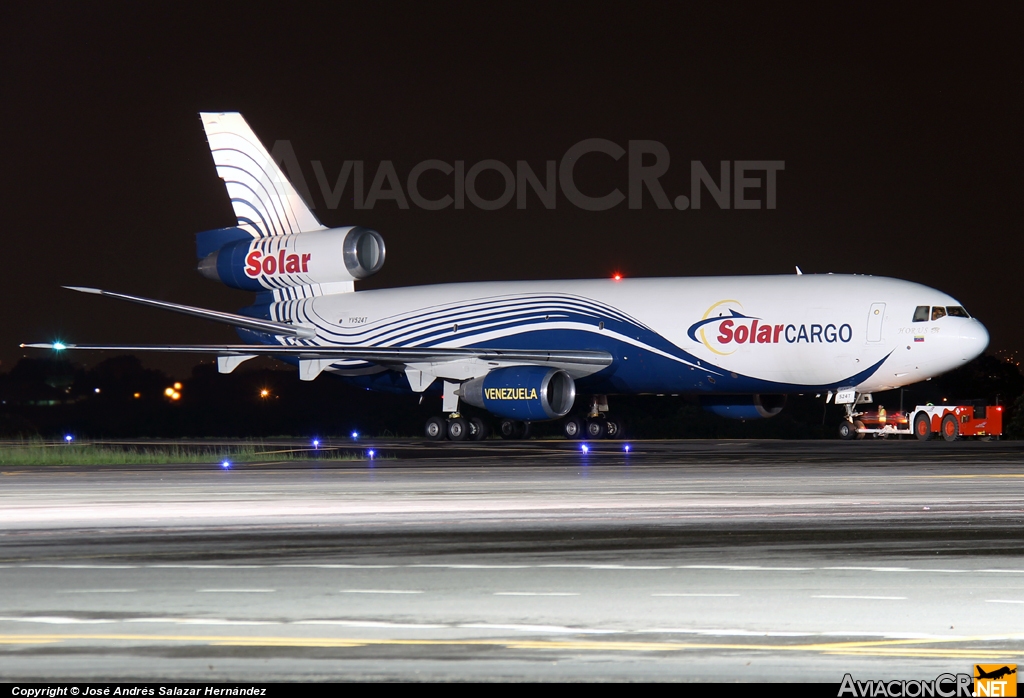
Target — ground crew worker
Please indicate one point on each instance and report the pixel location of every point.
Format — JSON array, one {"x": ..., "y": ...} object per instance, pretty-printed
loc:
[{"x": 881, "y": 416}]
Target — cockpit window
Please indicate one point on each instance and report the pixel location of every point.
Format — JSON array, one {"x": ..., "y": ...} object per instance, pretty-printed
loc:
[
  {"x": 921, "y": 314},
  {"x": 956, "y": 311},
  {"x": 937, "y": 312}
]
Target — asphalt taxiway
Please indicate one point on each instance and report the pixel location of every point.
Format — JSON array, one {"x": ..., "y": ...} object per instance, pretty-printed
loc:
[{"x": 697, "y": 560}]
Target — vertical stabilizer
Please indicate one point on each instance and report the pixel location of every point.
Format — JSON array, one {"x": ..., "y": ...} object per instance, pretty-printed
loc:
[{"x": 264, "y": 201}]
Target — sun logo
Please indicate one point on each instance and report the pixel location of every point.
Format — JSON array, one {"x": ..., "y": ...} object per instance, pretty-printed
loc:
[{"x": 720, "y": 310}]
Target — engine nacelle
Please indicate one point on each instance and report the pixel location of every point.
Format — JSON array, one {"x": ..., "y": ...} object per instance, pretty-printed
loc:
[
  {"x": 303, "y": 259},
  {"x": 744, "y": 406},
  {"x": 529, "y": 393}
]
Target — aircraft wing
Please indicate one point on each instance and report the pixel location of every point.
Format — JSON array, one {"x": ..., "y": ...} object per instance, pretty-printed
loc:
[{"x": 421, "y": 364}]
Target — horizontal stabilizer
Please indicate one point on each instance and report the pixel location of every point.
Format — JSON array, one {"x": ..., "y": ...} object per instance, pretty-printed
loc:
[{"x": 269, "y": 326}]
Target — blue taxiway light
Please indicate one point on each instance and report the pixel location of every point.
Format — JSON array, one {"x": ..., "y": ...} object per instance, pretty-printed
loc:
[
  {"x": 226, "y": 464},
  {"x": 585, "y": 449},
  {"x": 69, "y": 438},
  {"x": 355, "y": 435},
  {"x": 626, "y": 448},
  {"x": 316, "y": 443},
  {"x": 371, "y": 453}
]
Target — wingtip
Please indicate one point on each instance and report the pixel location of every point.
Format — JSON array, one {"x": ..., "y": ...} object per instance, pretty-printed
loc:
[{"x": 84, "y": 289}]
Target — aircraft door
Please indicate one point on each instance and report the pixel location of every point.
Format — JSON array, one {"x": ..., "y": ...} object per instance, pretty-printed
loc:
[{"x": 875, "y": 316}]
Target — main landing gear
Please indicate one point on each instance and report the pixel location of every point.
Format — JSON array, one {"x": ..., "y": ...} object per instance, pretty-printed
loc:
[
  {"x": 457, "y": 428},
  {"x": 596, "y": 425}
]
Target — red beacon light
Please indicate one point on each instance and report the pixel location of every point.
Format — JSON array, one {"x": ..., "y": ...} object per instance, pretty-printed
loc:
[{"x": 616, "y": 276}]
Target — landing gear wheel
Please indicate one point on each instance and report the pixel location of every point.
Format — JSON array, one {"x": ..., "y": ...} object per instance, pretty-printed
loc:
[
  {"x": 573, "y": 428},
  {"x": 950, "y": 428},
  {"x": 613, "y": 429},
  {"x": 478, "y": 429},
  {"x": 846, "y": 431},
  {"x": 596, "y": 428},
  {"x": 436, "y": 429},
  {"x": 923, "y": 427},
  {"x": 857, "y": 425},
  {"x": 514, "y": 429},
  {"x": 458, "y": 429}
]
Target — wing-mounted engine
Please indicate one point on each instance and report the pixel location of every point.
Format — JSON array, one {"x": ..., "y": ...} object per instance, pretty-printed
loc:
[
  {"x": 744, "y": 406},
  {"x": 527, "y": 393},
  {"x": 337, "y": 255}
]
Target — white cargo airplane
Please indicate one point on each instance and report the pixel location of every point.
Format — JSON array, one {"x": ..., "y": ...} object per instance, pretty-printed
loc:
[{"x": 523, "y": 351}]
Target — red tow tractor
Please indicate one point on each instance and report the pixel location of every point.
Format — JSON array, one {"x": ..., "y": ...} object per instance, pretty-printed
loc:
[{"x": 953, "y": 422}]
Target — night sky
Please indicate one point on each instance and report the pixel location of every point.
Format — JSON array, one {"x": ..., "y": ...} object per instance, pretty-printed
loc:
[{"x": 900, "y": 130}]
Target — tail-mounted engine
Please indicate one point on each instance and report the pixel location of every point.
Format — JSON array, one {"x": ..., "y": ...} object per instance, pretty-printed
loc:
[
  {"x": 302, "y": 259},
  {"x": 528, "y": 393}
]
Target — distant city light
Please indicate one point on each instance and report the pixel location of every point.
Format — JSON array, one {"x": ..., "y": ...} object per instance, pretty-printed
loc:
[
  {"x": 264, "y": 393},
  {"x": 177, "y": 386},
  {"x": 171, "y": 392},
  {"x": 136, "y": 395},
  {"x": 225, "y": 464},
  {"x": 585, "y": 449},
  {"x": 69, "y": 438},
  {"x": 96, "y": 390}
]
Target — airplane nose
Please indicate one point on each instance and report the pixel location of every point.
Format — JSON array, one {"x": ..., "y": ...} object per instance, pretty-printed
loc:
[{"x": 973, "y": 339}]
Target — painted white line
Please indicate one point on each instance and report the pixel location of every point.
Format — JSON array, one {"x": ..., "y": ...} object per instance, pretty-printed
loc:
[
  {"x": 744, "y": 568},
  {"x": 98, "y": 591},
  {"x": 999, "y": 571},
  {"x": 1004, "y": 600},
  {"x": 339, "y": 566},
  {"x": 235, "y": 591},
  {"x": 206, "y": 566},
  {"x": 200, "y": 621},
  {"x": 83, "y": 567},
  {"x": 694, "y": 595},
  {"x": 561, "y": 629},
  {"x": 894, "y": 569},
  {"x": 56, "y": 620},
  {"x": 853, "y": 596},
  {"x": 379, "y": 591},
  {"x": 440, "y": 566},
  {"x": 535, "y": 593},
  {"x": 724, "y": 632},
  {"x": 370, "y": 624},
  {"x": 609, "y": 567}
]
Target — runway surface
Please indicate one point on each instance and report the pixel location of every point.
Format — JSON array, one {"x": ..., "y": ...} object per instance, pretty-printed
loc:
[{"x": 696, "y": 560}]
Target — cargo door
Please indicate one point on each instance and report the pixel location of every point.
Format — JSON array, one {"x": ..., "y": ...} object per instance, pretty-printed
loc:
[{"x": 875, "y": 316}]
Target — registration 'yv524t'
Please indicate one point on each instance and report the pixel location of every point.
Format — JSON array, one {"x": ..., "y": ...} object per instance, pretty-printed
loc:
[{"x": 547, "y": 350}]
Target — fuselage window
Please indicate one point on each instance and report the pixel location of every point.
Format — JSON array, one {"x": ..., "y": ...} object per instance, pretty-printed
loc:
[
  {"x": 937, "y": 312},
  {"x": 956, "y": 311},
  {"x": 921, "y": 314}
]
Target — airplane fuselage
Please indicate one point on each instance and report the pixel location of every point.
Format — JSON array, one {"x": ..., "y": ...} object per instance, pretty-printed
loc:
[{"x": 736, "y": 335}]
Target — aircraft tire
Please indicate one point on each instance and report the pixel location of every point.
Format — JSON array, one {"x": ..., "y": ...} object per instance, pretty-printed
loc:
[
  {"x": 857, "y": 424},
  {"x": 923, "y": 427},
  {"x": 613, "y": 429},
  {"x": 511, "y": 429},
  {"x": 950, "y": 428},
  {"x": 458, "y": 429},
  {"x": 478, "y": 429},
  {"x": 436, "y": 429},
  {"x": 846, "y": 431},
  {"x": 596, "y": 428},
  {"x": 572, "y": 428}
]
